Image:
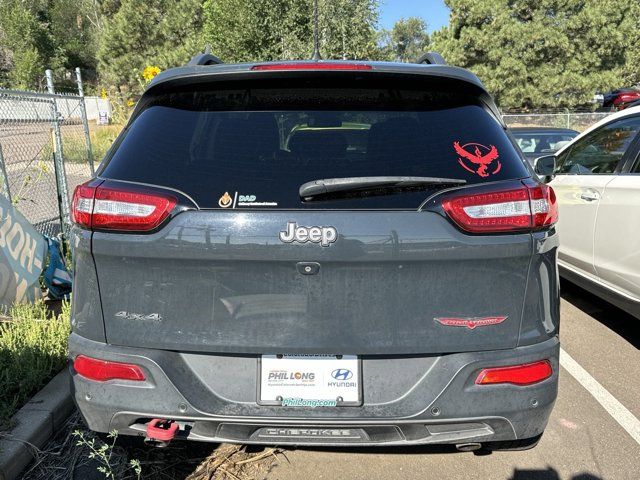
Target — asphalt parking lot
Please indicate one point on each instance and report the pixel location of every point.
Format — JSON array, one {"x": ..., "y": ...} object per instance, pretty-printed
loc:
[{"x": 583, "y": 440}]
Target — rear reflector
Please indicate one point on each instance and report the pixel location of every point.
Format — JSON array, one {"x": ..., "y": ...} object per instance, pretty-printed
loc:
[
  {"x": 102, "y": 370},
  {"x": 113, "y": 209},
  {"x": 312, "y": 66},
  {"x": 526, "y": 374},
  {"x": 525, "y": 208}
]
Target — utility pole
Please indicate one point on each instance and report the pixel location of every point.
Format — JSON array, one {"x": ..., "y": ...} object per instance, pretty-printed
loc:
[{"x": 316, "y": 49}]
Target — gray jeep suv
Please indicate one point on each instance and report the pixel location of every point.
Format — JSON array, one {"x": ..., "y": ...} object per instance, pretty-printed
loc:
[{"x": 328, "y": 253}]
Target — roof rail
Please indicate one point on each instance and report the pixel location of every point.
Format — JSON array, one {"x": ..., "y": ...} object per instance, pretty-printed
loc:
[
  {"x": 205, "y": 58},
  {"x": 431, "y": 58}
]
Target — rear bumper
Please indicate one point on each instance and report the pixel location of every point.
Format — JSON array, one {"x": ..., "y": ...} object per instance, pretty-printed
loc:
[{"x": 407, "y": 400}]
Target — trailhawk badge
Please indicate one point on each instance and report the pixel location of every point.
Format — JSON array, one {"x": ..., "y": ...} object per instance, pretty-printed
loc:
[
  {"x": 471, "y": 323},
  {"x": 322, "y": 235}
]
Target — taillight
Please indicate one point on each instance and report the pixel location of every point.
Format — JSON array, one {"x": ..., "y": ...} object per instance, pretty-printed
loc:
[
  {"x": 82, "y": 205},
  {"x": 519, "y": 209},
  {"x": 312, "y": 66},
  {"x": 544, "y": 206},
  {"x": 115, "y": 209},
  {"x": 526, "y": 374},
  {"x": 103, "y": 370}
]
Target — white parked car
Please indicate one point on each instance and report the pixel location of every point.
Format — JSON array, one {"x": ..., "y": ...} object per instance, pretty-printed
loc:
[{"x": 597, "y": 182}]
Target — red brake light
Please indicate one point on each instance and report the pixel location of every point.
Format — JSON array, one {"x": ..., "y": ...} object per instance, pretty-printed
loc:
[
  {"x": 526, "y": 374},
  {"x": 312, "y": 66},
  {"x": 103, "y": 370},
  {"x": 525, "y": 208},
  {"x": 115, "y": 209}
]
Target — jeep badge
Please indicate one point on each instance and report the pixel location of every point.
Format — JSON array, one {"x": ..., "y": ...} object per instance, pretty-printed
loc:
[{"x": 322, "y": 235}]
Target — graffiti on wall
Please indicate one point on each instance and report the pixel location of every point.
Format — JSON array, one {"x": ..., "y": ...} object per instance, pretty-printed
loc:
[{"x": 22, "y": 257}]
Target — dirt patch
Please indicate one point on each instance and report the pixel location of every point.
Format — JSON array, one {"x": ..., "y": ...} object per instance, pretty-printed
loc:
[
  {"x": 236, "y": 462},
  {"x": 67, "y": 456}
]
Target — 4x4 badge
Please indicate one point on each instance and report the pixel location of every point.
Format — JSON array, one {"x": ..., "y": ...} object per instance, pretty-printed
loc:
[{"x": 322, "y": 235}]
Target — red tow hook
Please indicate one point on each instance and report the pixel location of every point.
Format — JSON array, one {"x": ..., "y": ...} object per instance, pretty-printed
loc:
[{"x": 160, "y": 432}]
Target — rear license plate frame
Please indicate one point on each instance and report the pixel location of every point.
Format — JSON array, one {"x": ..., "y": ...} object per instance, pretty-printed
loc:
[{"x": 354, "y": 359}]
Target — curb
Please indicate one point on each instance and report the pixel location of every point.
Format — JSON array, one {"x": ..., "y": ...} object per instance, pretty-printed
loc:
[{"x": 35, "y": 424}]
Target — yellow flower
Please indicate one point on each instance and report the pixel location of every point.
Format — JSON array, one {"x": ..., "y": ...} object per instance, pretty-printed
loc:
[
  {"x": 103, "y": 93},
  {"x": 130, "y": 103},
  {"x": 149, "y": 72}
]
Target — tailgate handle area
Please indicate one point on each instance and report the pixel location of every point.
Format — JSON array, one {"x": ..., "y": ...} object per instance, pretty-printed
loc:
[{"x": 308, "y": 268}]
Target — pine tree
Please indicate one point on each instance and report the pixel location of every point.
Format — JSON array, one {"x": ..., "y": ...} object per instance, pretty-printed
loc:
[
  {"x": 250, "y": 30},
  {"x": 406, "y": 41},
  {"x": 543, "y": 53},
  {"x": 163, "y": 33}
]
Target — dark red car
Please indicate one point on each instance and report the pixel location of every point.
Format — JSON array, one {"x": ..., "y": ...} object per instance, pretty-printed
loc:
[{"x": 621, "y": 98}]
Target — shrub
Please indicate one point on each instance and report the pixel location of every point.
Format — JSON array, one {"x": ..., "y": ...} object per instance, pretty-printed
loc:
[{"x": 33, "y": 349}]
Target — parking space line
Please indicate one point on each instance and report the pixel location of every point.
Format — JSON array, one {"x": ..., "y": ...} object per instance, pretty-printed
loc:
[{"x": 617, "y": 410}]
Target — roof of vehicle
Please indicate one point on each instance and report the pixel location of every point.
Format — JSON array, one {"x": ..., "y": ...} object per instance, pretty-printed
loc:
[
  {"x": 627, "y": 112},
  {"x": 542, "y": 129},
  {"x": 623, "y": 90},
  {"x": 215, "y": 70},
  {"x": 247, "y": 70}
]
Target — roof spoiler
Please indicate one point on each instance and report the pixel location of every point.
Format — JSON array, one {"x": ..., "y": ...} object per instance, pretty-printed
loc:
[
  {"x": 431, "y": 58},
  {"x": 205, "y": 58}
]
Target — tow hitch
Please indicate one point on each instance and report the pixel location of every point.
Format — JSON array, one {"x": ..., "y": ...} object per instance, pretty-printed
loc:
[{"x": 160, "y": 432}]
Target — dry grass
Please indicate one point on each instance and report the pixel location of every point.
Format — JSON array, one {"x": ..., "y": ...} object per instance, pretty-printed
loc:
[
  {"x": 33, "y": 349},
  {"x": 236, "y": 462},
  {"x": 102, "y": 136},
  {"x": 64, "y": 459}
]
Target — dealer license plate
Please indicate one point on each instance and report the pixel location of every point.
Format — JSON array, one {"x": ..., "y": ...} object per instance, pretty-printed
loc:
[{"x": 310, "y": 380}]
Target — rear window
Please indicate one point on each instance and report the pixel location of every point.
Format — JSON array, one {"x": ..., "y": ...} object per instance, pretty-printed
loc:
[{"x": 253, "y": 148}]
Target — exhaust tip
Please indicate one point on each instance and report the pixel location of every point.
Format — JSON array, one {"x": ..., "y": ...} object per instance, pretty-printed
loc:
[{"x": 468, "y": 447}]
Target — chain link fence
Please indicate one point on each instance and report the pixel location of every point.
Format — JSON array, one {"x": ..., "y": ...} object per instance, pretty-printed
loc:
[
  {"x": 45, "y": 152},
  {"x": 574, "y": 120}
]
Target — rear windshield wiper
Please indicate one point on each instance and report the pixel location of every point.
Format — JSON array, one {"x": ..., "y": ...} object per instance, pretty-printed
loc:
[{"x": 328, "y": 186}]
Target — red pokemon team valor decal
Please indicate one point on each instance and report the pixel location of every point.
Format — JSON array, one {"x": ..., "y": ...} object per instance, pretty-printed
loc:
[
  {"x": 470, "y": 323},
  {"x": 477, "y": 158}
]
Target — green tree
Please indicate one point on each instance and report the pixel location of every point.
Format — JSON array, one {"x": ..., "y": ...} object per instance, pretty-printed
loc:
[
  {"x": 249, "y": 30},
  {"x": 24, "y": 41},
  {"x": 542, "y": 53},
  {"x": 27, "y": 67},
  {"x": 72, "y": 34},
  {"x": 347, "y": 28},
  {"x": 129, "y": 41},
  {"x": 165, "y": 33},
  {"x": 406, "y": 41},
  {"x": 42, "y": 34},
  {"x": 631, "y": 70},
  {"x": 181, "y": 30}
]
